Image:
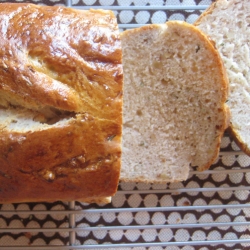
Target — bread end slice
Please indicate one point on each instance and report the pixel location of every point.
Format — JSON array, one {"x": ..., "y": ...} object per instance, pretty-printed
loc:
[{"x": 227, "y": 24}]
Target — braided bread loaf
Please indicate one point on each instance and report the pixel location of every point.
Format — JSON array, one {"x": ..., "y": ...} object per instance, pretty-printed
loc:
[{"x": 61, "y": 104}]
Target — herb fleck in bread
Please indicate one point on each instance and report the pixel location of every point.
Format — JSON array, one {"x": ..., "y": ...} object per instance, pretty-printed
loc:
[
  {"x": 61, "y": 104},
  {"x": 227, "y": 23},
  {"x": 175, "y": 90}
]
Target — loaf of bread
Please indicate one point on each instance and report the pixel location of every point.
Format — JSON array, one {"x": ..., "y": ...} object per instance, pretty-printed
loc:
[
  {"x": 175, "y": 89},
  {"x": 61, "y": 85},
  {"x": 227, "y": 23}
]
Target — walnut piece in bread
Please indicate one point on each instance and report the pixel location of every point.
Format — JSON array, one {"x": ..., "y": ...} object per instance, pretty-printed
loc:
[{"x": 61, "y": 86}]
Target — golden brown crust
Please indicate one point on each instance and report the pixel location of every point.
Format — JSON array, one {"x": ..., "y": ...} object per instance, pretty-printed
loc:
[
  {"x": 238, "y": 139},
  {"x": 208, "y": 11},
  {"x": 67, "y": 60},
  {"x": 60, "y": 57}
]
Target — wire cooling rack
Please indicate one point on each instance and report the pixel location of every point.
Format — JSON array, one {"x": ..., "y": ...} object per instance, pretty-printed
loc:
[{"x": 210, "y": 210}]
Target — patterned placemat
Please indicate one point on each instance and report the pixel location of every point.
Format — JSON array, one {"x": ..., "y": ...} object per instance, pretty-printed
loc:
[{"x": 209, "y": 206}]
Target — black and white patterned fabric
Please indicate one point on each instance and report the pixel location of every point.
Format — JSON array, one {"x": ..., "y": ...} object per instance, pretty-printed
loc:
[{"x": 211, "y": 210}]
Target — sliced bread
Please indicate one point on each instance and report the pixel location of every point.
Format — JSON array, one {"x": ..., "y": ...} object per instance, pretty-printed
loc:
[
  {"x": 175, "y": 90},
  {"x": 227, "y": 23}
]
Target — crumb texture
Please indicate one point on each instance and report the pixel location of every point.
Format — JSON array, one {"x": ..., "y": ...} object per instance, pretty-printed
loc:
[
  {"x": 227, "y": 23},
  {"x": 174, "y": 94}
]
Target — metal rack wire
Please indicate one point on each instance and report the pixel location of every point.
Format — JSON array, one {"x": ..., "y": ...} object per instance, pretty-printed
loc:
[{"x": 210, "y": 210}]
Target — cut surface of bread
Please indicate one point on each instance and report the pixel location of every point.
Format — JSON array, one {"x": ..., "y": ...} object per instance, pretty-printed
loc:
[
  {"x": 174, "y": 102},
  {"x": 227, "y": 23},
  {"x": 60, "y": 104}
]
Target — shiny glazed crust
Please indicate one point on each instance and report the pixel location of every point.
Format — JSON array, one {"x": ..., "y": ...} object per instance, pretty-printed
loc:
[{"x": 65, "y": 66}]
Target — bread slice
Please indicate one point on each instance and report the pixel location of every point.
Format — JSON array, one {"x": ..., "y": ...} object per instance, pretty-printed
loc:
[
  {"x": 227, "y": 23},
  {"x": 60, "y": 104},
  {"x": 175, "y": 90}
]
